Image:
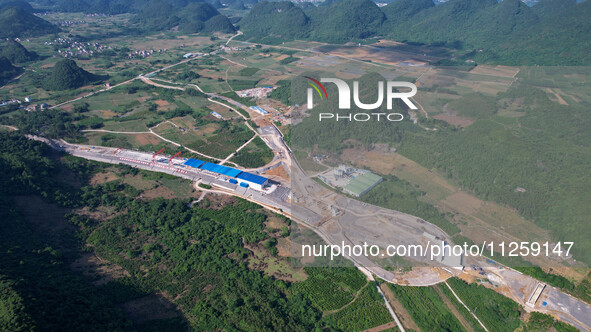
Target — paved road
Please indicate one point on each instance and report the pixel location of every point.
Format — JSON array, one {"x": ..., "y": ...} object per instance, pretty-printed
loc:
[{"x": 359, "y": 221}]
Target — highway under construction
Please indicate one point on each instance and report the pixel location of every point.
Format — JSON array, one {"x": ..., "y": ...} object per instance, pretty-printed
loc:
[{"x": 340, "y": 220}]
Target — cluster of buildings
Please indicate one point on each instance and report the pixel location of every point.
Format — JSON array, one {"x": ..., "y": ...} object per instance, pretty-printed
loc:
[
  {"x": 24, "y": 104},
  {"x": 144, "y": 53},
  {"x": 73, "y": 49},
  {"x": 10, "y": 101},
  {"x": 229, "y": 48},
  {"x": 68, "y": 23},
  {"x": 256, "y": 92},
  {"x": 232, "y": 175}
]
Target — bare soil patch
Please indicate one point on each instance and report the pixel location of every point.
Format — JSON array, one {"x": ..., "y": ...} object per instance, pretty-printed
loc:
[
  {"x": 557, "y": 96},
  {"x": 278, "y": 171},
  {"x": 107, "y": 114},
  {"x": 160, "y": 191},
  {"x": 161, "y": 103},
  {"x": 103, "y": 177},
  {"x": 462, "y": 202},
  {"x": 382, "y": 327},
  {"x": 502, "y": 71},
  {"x": 101, "y": 213},
  {"x": 454, "y": 120},
  {"x": 146, "y": 139}
]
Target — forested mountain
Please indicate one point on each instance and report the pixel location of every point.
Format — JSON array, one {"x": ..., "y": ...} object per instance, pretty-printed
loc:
[
  {"x": 346, "y": 20},
  {"x": 7, "y": 70},
  {"x": 465, "y": 23},
  {"x": 338, "y": 22},
  {"x": 508, "y": 32},
  {"x": 16, "y": 3},
  {"x": 100, "y": 6},
  {"x": 276, "y": 19},
  {"x": 15, "y": 52},
  {"x": 67, "y": 75},
  {"x": 562, "y": 39},
  {"x": 402, "y": 10},
  {"x": 116, "y": 6},
  {"x": 17, "y": 22},
  {"x": 191, "y": 17},
  {"x": 547, "y": 8}
]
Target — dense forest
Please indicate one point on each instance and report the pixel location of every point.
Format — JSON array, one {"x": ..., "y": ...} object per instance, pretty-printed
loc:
[{"x": 196, "y": 256}]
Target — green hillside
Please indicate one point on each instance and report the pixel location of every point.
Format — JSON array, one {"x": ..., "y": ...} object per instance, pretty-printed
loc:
[
  {"x": 16, "y": 22},
  {"x": 7, "y": 70},
  {"x": 276, "y": 20},
  {"x": 16, "y": 3},
  {"x": 100, "y": 6},
  {"x": 16, "y": 52},
  {"x": 67, "y": 75},
  {"x": 562, "y": 39},
  {"x": 193, "y": 17},
  {"x": 507, "y": 32},
  {"x": 346, "y": 20},
  {"x": 548, "y": 8},
  {"x": 402, "y": 10}
]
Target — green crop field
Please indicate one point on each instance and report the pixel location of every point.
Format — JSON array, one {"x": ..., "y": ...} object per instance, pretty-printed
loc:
[
  {"x": 367, "y": 311},
  {"x": 331, "y": 288},
  {"x": 426, "y": 308},
  {"x": 497, "y": 313}
]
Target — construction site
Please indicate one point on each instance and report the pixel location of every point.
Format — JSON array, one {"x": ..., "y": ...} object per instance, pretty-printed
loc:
[{"x": 353, "y": 181}]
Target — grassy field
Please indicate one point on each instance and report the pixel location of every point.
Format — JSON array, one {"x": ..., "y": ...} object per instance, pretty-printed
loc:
[{"x": 255, "y": 154}]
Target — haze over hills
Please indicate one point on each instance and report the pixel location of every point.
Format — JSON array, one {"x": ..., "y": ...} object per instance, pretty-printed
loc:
[
  {"x": 547, "y": 8},
  {"x": 100, "y": 6},
  {"x": 485, "y": 26},
  {"x": 16, "y": 3},
  {"x": 558, "y": 40},
  {"x": 17, "y": 22},
  {"x": 115, "y": 6}
]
